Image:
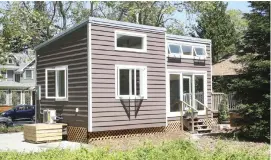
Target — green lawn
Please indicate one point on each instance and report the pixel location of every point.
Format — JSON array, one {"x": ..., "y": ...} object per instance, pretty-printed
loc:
[{"x": 178, "y": 149}]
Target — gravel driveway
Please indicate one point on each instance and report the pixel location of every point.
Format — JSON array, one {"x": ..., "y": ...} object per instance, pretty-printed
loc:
[{"x": 15, "y": 141}]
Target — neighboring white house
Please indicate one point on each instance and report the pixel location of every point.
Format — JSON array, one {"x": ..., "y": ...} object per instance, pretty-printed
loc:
[{"x": 17, "y": 80}]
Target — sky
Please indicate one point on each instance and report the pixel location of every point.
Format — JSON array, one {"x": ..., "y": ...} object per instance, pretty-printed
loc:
[{"x": 238, "y": 5}]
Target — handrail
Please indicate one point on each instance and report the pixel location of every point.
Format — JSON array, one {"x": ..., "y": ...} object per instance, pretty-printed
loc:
[
  {"x": 189, "y": 105},
  {"x": 207, "y": 108},
  {"x": 181, "y": 112},
  {"x": 203, "y": 105}
]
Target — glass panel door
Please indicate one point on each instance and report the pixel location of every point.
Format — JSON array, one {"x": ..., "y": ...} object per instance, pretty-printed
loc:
[
  {"x": 174, "y": 92},
  {"x": 187, "y": 90},
  {"x": 199, "y": 92}
]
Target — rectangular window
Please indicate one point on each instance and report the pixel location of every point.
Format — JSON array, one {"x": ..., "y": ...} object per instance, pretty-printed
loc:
[
  {"x": 56, "y": 83},
  {"x": 10, "y": 75},
  {"x": 186, "y": 50},
  {"x": 130, "y": 41},
  {"x": 17, "y": 77},
  {"x": 28, "y": 74},
  {"x": 131, "y": 82}
]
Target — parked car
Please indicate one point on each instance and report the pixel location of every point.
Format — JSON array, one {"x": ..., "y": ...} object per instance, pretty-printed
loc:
[
  {"x": 20, "y": 112},
  {"x": 4, "y": 108},
  {"x": 5, "y": 122}
]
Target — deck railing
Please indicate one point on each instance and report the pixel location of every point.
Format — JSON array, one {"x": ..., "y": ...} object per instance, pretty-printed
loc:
[{"x": 231, "y": 100}]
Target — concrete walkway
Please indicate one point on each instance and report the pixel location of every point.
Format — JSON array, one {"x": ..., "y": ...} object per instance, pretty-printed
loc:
[{"x": 15, "y": 142}]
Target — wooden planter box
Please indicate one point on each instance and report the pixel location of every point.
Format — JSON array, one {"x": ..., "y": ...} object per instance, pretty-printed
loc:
[{"x": 41, "y": 132}]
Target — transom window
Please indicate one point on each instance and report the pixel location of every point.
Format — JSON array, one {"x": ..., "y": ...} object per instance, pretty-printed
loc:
[
  {"x": 131, "y": 82},
  {"x": 56, "y": 80},
  {"x": 130, "y": 41},
  {"x": 186, "y": 50}
]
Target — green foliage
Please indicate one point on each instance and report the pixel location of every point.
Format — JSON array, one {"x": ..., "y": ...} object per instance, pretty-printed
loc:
[
  {"x": 215, "y": 24},
  {"x": 239, "y": 22},
  {"x": 223, "y": 109},
  {"x": 11, "y": 129},
  {"x": 184, "y": 150},
  {"x": 16, "y": 98},
  {"x": 22, "y": 28},
  {"x": 253, "y": 87},
  {"x": 3, "y": 96}
]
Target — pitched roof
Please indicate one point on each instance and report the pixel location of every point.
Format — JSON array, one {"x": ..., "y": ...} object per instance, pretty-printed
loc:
[{"x": 226, "y": 67}]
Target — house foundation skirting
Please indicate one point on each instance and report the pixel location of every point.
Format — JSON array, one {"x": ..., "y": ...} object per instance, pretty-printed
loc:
[
  {"x": 80, "y": 134},
  {"x": 210, "y": 122}
]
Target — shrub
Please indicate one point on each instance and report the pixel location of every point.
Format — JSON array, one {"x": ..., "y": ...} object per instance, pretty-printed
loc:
[
  {"x": 180, "y": 149},
  {"x": 223, "y": 109}
]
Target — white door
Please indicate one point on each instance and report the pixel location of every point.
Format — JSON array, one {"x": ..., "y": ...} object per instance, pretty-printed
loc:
[
  {"x": 187, "y": 91},
  {"x": 199, "y": 91}
]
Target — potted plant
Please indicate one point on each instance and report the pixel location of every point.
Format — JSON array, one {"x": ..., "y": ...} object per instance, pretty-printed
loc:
[
  {"x": 223, "y": 111},
  {"x": 189, "y": 112}
]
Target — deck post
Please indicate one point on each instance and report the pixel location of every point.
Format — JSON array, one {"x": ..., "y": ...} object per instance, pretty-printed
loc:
[
  {"x": 206, "y": 112},
  {"x": 181, "y": 109},
  {"x": 192, "y": 120}
]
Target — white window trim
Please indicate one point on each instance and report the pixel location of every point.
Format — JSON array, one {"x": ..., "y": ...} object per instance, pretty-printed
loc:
[
  {"x": 144, "y": 36},
  {"x": 143, "y": 81},
  {"x": 56, "y": 97},
  {"x": 32, "y": 75},
  {"x": 193, "y": 45},
  {"x": 181, "y": 73}
]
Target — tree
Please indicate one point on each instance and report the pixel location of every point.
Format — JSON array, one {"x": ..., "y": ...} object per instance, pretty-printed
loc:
[
  {"x": 253, "y": 87},
  {"x": 215, "y": 24},
  {"x": 240, "y": 24},
  {"x": 22, "y": 27}
]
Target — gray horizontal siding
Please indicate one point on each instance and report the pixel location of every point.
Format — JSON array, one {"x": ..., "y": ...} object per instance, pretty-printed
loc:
[
  {"x": 69, "y": 50},
  {"x": 107, "y": 112},
  {"x": 189, "y": 64}
]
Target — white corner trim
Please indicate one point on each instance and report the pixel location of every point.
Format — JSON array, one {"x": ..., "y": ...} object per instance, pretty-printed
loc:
[
  {"x": 89, "y": 78},
  {"x": 135, "y": 34},
  {"x": 167, "y": 80}
]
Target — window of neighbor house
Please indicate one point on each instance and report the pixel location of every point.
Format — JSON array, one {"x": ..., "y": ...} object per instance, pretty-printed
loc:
[
  {"x": 28, "y": 74},
  {"x": 56, "y": 83},
  {"x": 130, "y": 41},
  {"x": 17, "y": 77},
  {"x": 131, "y": 82},
  {"x": 9, "y": 61},
  {"x": 10, "y": 75}
]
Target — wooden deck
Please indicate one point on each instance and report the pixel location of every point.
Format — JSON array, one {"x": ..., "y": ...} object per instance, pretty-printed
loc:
[{"x": 231, "y": 100}]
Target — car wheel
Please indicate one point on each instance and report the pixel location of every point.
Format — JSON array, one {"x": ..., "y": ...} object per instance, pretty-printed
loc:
[
  {"x": 33, "y": 118},
  {"x": 10, "y": 118},
  {"x": 3, "y": 125}
]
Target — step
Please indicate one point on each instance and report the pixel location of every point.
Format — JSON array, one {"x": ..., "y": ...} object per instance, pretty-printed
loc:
[
  {"x": 201, "y": 126},
  {"x": 206, "y": 130},
  {"x": 196, "y": 122}
]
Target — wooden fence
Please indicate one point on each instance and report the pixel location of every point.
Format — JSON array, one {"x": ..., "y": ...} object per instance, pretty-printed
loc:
[{"x": 231, "y": 100}]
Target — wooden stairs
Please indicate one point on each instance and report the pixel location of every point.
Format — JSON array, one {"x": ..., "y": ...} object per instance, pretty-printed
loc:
[
  {"x": 194, "y": 123},
  {"x": 199, "y": 127}
]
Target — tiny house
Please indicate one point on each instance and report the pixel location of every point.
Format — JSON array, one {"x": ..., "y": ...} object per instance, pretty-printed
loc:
[{"x": 103, "y": 75}]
